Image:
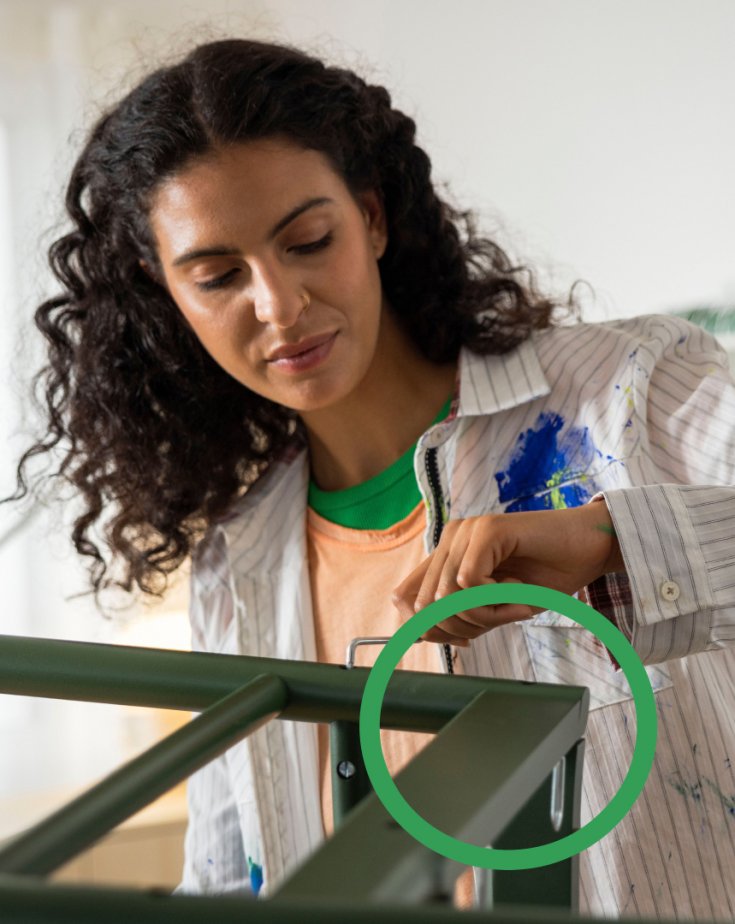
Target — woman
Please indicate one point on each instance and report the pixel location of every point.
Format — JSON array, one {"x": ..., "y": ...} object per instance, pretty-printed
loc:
[{"x": 277, "y": 348}]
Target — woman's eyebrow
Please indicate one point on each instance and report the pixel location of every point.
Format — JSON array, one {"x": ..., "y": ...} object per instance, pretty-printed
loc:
[
  {"x": 294, "y": 213},
  {"x": 204, "y": 252},
  {"x": 279, "y": 226}
]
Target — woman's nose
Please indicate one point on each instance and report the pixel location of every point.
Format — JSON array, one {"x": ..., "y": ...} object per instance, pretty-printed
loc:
[{"x": 277, "y": 297}]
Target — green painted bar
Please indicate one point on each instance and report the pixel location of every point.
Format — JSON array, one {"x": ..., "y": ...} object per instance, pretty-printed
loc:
[
  {"x": 510, "y": 749},
  {"x": 194, "y": 681},
  {"x": 61, "y": 836},
  {"x": 556, "y": 884},
  {"x": 350, "y": 782},
  {"x": 25, "y": 900}
]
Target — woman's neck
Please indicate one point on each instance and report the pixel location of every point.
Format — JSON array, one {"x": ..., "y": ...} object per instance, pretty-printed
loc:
[{"x": 381, "y": 419}]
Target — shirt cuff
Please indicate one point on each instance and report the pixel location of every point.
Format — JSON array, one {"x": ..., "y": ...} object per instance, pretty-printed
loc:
[{"x": 662, "y": 603}]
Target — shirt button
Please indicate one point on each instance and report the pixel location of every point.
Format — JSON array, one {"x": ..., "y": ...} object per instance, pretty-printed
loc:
[{"x": 670, "y": 591}]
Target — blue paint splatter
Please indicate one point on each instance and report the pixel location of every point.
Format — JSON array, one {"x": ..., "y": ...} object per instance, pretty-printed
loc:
[
  {"x": 547, "y": 467},
  {"x": 256, "y": 876}
]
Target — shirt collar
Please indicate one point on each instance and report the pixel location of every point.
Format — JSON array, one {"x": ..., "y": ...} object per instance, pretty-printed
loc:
[{"x": 492, "y": 383}]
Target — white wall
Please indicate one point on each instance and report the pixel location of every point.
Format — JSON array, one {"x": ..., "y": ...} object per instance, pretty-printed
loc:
[{"x": 600, "y": 134}]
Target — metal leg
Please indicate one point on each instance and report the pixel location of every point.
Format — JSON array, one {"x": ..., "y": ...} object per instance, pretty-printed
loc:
[
  {"x": 350, "y": 781},
  {"x": 556, "y": 885}
]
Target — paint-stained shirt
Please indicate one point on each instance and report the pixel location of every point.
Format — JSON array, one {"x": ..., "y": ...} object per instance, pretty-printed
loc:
[{"x": 638, "y": 411}]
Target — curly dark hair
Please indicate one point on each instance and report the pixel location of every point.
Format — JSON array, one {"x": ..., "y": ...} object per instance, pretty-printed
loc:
[{"x": 157, "y": 439}]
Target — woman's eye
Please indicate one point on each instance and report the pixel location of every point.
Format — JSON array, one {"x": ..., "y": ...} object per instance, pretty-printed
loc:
[
  {"x": 219, "y": 283},
  {"x": 313, "y": 246}
]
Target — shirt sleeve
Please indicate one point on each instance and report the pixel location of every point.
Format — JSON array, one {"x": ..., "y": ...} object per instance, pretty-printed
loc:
[
  {"x": 214, "y": 854},
  {"x": 677, "y": 538}
]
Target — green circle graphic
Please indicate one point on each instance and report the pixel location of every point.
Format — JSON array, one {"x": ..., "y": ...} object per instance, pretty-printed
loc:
[{"x": 487, "y": 857}]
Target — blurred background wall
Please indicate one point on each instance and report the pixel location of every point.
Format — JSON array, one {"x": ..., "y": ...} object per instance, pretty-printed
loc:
[{"x": 596, "y": 139}]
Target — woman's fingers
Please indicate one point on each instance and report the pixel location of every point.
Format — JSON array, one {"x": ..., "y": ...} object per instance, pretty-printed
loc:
[
  {"x": 465, "y": 557},
  {"x": 470, "y": 624},
  {"x": 443, "y": 637},
  {"x": 437, "y": 577},
  {"x": 404, "y": 595},
  {"x": 487, "y": 546},
  {"x": 457, "y": 628},
  {"x": 409, "y": 595},
  {"x": 440, "y": 577},
  {"x": 455, "y": 541}
]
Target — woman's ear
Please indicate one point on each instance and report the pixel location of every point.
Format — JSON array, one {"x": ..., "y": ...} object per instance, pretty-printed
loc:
[{"x": 374, "y": 212}]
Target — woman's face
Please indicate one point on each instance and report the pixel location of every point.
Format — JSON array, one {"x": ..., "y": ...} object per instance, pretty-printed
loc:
[{"x": 245, "y": 236}]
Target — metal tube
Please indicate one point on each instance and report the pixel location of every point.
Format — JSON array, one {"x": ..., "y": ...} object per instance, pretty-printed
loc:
[
  {"x": 193, "y": 681},
  {"x": 350, "y": 782},
  {"x": 27, "y": 900},
  {"x": 58, "y": 838}
]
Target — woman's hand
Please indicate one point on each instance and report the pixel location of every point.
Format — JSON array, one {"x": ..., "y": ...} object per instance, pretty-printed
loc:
[{"x": 561, "y": 549}]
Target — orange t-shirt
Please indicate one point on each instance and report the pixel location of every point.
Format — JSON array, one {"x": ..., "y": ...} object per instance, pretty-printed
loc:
[{"x": 353, "y": 572}]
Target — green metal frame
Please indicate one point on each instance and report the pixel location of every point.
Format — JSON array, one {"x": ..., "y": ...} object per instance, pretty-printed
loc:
[
  {"x": 23, "y": 901},
  {"x": 513, "y": 732}
]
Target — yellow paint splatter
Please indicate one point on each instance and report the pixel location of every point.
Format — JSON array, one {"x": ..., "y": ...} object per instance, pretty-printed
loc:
[{"x": 557, "y": 501}]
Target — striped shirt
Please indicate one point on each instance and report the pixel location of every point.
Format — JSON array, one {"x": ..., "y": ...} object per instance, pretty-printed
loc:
[{"x": 640, "y": 412}]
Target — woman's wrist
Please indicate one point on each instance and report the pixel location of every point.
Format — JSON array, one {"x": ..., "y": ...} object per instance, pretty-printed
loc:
[{"x": 603, "y": 522}]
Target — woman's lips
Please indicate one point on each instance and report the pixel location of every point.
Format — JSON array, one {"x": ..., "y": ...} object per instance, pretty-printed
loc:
[{"x": 307, "y": 359}]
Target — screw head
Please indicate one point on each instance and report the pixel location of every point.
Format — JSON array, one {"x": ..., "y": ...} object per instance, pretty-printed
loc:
[{"x": 346, "y": 769}]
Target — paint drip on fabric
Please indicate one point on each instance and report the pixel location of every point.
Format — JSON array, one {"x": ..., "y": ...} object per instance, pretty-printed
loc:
[
  {"x": 547, "y": 468},
  {"x": 256, "y": 876}
]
